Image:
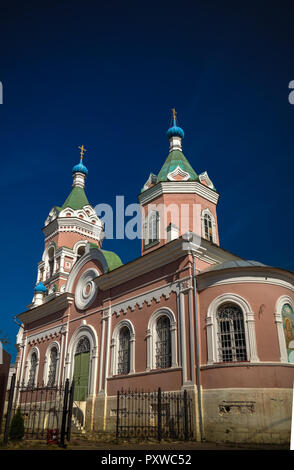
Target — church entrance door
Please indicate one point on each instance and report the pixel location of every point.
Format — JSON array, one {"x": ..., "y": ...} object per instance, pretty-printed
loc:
[{"x": 81, "y": 370}]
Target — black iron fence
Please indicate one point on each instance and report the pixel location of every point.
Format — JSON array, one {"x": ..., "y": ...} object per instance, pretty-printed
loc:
[
  {"x": 159, "y": 415},
  {"x": 44, "y": 410}
]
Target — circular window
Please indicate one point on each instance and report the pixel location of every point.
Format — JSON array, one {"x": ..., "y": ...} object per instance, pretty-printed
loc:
[{"x": 86, "y": 289}]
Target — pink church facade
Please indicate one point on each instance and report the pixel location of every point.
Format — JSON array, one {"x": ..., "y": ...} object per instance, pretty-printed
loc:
[{"x": 186, "y": 314}]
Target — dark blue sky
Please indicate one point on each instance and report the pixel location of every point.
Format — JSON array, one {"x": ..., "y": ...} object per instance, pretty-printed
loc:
[{"x": 106, "y": 74}]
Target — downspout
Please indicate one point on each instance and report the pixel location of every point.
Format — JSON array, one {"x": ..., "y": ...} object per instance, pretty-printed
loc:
[{"x": 197, "y": 353}]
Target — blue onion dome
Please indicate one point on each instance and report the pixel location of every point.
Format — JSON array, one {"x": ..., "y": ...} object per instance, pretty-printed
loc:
[
  {"x": 40, "y": 287},
  {"x": 175, "y": 131},
  {"x": 80, "y": 168}
]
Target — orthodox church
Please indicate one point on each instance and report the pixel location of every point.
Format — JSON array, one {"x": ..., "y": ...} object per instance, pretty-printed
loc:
[{"x": 185, "y": 315}]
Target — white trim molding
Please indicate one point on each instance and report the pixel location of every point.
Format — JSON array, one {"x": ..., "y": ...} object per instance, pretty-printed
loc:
[
  {"x": 90, "y": 333},
  {"x": 284, "y": 299},
  {"x": 91, "y": 255},
  {"x": 54, "y": 344},
  {"x": 86, "y": 289},
  {"x": 178, "y": 172},
  {"x": 28, "y": 366},
  {"x": 115, "y": 343},
  {"x": 213, "y": 224},
  {"x": 151, "y": 337},
  {"x": 211, "y": 327}
]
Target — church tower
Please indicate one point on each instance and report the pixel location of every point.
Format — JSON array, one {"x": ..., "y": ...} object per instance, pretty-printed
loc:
[
  {"x": 177, "y": 200},
  {"x": 67, "y": 231}
]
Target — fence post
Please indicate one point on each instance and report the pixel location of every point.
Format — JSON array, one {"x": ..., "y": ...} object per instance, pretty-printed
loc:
[
  {"x": 70, "y": 406},
  {"x": 117, "y": 415},
  {"x": 9, "y": 408},
  {"x": 64, "y": 412},
  {"x": 186, "y": 430},
  {"x": 159, "y": 415}
]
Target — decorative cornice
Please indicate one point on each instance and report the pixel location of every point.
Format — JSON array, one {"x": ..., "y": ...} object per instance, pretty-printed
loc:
[
  {"x": 55, "y": 305},
  {"x": 245, "y": 275},
  {"x": 72, "y": 224},
  {"x": 178, "y": 187},
  {"x": 148, "y": 297},
  {"x": 45, "y": 334}
]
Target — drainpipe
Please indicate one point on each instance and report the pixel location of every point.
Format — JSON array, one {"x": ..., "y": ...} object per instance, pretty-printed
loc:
[{"x": 197, "y": 354}]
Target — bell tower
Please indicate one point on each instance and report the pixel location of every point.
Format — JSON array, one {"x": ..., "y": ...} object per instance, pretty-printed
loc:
[{"x": 67, "y": 231}]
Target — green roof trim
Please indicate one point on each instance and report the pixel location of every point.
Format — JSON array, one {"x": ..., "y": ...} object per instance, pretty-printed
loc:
[
  {"x": 176, "y": 158},
  {"x": 77, "y": 199},
  {"x": 112, "y": 259}
]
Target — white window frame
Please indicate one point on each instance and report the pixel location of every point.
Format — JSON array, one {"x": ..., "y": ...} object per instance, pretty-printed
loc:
[
  {"x": 213, "y": 224},
  {"x": 284, "y": 299},
  {"x": 212, "y": 328},
  {"x": 115, "y": 347},
  {"x": 90, "y": 333},
  {"x": 152, "y": 336},
  {"x": 147, "y": 241},
  {"x": 56, "y": 345},
  {"x": 28, "y": 366}
]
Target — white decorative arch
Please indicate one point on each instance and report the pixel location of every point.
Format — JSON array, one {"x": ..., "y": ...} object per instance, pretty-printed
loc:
[
  {"x": 284, "y": 299},
  {"x": 115, "y": 343},
  {"x": 50, "y": 245},
  {"x": 151, "y": 337},
  {"x": 152, "y": 214},
  {"x": 90, "y": 332},
  {"x": 211, "y": 326},
  {"x": 213, "y": 224},
  {"x": 33, "y": 350},
  {"x": 54, "y": 344},
  {"x": 78, "y": 244},
  {"x": 91, "y": 255}
]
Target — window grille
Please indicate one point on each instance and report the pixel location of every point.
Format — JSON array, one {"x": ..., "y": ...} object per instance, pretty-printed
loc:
[
  {"x": 33, "y": 370},
  {"x": 153, "y": 227},
  {"x": 83, "y": 345},
  {"x": 52, "y": 368},
  {"x": 123, "y": 365},
  {"x": 163, "y": 343},
  {"x": 231, "y": 334},
  {"x": 208, "y": 228}
]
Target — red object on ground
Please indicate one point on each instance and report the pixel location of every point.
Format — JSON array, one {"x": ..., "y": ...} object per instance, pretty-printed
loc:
[{"x": 52, "y": 436}]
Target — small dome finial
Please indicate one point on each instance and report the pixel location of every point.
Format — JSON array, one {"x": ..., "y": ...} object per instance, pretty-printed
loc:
[
  {"x": 80, "y": 167},
  {"x": 175, "y": 130}
]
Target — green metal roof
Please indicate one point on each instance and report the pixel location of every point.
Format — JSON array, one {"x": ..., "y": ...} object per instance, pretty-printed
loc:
[
  {"x": 77, "y": 199},
  {"x": 112, "y": 259},
  {"x": 176, "y": 158}
]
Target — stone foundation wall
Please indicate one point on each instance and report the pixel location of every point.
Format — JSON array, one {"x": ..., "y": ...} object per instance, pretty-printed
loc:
[{"x": 248, "y": 415}]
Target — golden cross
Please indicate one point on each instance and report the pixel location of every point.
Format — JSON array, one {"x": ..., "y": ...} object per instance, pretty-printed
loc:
[
  {"x": 174, "y": 114},
  {"x": 82, "y": 148}
]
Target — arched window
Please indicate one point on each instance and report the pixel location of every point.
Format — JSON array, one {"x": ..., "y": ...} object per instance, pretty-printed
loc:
[
  {"x": 163, "y": 343},
  {"x": 231, "y": 334},
  {"x": 80, "y": 252},
  {"x": 161, "y": 340},
  {"x": 33, "y": 370},
  {"x": 50, "y": 261},
  {"x": 123, "y": 349},
  {"x": 288, "y": 326},
  {"x": 152, "y": 228},
  {"x": 52, "y": 367},
  {"x": 207, "y": 227},
  {"x": 123, "y": 360}
]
